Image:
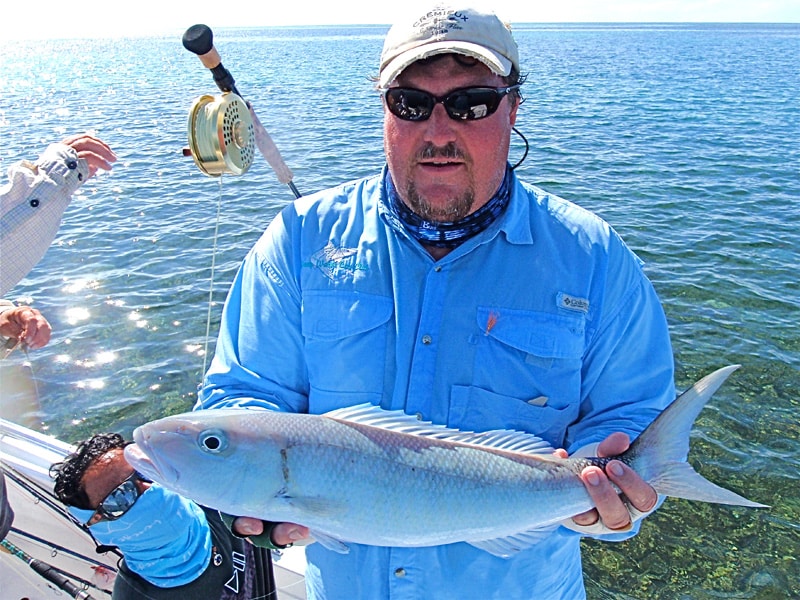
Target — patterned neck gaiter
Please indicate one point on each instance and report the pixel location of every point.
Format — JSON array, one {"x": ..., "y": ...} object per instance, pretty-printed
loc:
[{"x": 446, "y": 234}]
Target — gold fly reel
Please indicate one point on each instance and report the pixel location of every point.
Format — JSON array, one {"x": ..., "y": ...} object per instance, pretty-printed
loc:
[{"x": 221, "y": 135}]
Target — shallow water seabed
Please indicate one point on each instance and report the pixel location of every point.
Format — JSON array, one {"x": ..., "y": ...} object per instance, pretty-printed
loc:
[{"x": 694, "y": 550}]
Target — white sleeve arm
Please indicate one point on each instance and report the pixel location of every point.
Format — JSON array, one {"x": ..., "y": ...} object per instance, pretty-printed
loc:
[{"x": 32, "y": 204}]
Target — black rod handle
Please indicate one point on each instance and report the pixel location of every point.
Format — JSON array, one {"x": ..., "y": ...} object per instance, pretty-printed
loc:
[{"x": 199, "y": 39}]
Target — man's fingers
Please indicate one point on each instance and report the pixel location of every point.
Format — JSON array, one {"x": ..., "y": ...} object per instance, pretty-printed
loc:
[
  {"x": 246, "y": 526},
  {"x": 609, "y": 505},
  {"x": 37, "y": 331},
  {"x": 614, "y": 445},
  {"x": 95, "y": 152},
  {"x": 590, "y": 517},
  {"x": 27, "y": 325},
  {"x": 288, "y": 533},
  {"x": 604, "y": 488},
  {"x": 638, "y": 492},
  {"x": 96, "y": 161}
]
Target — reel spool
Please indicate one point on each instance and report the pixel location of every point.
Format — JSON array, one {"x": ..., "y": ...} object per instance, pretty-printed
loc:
[{"x": 221, "y": 135}]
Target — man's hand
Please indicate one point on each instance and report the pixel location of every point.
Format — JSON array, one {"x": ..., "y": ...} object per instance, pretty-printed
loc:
[
  {"x": 98, "y": 154},
  {"x": 283, "y": 534},
  {"x": 609, "y": 506},
  {"x": 25, "y": 324}
]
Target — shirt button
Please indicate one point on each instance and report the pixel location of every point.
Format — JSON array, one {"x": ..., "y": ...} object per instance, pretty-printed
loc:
[
  {"x": 437, "y": 268},
  {"x": 401, "y": 572},
  {"x": 426, "y": 339}
]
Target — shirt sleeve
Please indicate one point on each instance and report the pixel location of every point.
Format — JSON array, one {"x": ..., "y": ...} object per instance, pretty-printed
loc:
[
  {"x": 628, "y": 373},
  {"x": 5, "y": 305},
  {"x": 32, "y": 204},
  {"x": 259, "y": 355}
]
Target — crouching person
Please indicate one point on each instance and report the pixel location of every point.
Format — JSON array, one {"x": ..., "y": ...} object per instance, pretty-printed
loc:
[{"x": 172, "y": 547}]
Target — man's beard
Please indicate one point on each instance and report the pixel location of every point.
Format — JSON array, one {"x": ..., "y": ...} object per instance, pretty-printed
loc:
[{"x": 457, "y": 208}]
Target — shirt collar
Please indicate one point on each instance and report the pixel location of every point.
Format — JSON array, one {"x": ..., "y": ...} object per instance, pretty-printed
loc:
[{"x": 515, "y": 222}]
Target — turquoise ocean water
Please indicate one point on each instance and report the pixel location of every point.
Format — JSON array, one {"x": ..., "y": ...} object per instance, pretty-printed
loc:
[{"x": 686, "y": 138}]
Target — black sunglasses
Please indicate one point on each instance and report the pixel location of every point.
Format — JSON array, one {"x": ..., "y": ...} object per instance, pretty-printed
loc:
[
  {"x": 120, "y": 500},
  {"x": 466, "y": 104}
]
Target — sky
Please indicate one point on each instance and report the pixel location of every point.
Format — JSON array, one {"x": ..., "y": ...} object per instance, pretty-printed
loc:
[{"x": 61, "y": 18}]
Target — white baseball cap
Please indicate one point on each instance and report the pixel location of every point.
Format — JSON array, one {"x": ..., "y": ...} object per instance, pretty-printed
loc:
[{"x": 444, "y": 29}]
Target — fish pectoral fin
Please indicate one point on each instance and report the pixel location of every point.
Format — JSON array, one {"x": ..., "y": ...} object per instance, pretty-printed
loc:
[
  {"x": 316, "y": 506},
  {"x": 509, "y": 546},
  {"x": 330, "y": 543}
]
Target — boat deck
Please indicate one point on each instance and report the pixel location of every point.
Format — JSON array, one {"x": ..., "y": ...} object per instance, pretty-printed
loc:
[{"x": 289, "y": 568}]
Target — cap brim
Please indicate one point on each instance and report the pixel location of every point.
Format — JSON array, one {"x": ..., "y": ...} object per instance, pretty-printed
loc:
[{"x": 499, "y": 64}]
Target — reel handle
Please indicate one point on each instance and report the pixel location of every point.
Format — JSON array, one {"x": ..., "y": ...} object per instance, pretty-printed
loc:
[{"x": 199, "y": 39}]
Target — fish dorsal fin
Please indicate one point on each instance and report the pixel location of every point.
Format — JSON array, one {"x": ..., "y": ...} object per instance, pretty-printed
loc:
[{"x": 397, "y": 420}]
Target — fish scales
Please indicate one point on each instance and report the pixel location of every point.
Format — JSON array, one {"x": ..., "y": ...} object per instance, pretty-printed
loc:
[{"x": 421, "y": 485}]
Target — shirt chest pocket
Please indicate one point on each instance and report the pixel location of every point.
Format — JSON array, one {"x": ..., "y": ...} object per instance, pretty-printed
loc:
[
  {"x": 345, "y": 337},
  {"x": 526, "y": 373}
]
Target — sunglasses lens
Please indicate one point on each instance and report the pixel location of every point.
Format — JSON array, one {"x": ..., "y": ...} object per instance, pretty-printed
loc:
[
  {"x": 120, "y": 501},
  {"x": 410, "y": 105},
  {"x": 469, "y": 104},
  {"x": 472, "y": 104}
]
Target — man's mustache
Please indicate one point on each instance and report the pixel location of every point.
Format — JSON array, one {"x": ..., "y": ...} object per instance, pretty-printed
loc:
[{"x": 448, "y": 151}]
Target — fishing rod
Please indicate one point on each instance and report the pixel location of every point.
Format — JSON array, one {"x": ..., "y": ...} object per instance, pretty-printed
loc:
[
  {"x": 221, "y": 131},
  {"x": 44, "y": 498},
  {"x": 49, "y": 572},
  {"x": 24, "y": 469}
]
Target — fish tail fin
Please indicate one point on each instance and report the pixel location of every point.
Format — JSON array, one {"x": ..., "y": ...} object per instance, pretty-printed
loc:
[
  {"x": 680, "y": 480},
  {"x": 659, "y": 453}
]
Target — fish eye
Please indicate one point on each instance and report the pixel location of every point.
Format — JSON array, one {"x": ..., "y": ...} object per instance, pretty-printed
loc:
[{"x": 212, "y": 440}]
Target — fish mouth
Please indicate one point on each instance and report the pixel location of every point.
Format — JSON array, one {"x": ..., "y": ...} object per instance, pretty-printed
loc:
[{"x": 141, "y": 457}]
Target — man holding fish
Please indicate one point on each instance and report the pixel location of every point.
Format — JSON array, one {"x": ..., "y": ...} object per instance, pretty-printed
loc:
[{"x": 446, "y": 288}]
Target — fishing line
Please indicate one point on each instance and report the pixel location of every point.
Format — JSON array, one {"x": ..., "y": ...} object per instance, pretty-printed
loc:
[
  {"x": 211, "y": 284},
  {"x": 35, "y": 381},
  {"x": 223, "y": 132}
]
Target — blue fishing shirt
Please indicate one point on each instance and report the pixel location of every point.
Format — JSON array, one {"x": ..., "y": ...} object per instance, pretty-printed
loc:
[{"x": 544, "y": 322}]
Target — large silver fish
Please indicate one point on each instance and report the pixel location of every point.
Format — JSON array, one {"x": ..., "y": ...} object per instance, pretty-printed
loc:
[{"x": 370, "y": 476}]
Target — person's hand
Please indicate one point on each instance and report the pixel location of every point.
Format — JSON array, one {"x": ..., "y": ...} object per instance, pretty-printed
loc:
[
  {"x": 283, "y": 534},
  {"x": 98, "y": 154},
  {"x": 609, "y": 506},
  {"x": 27, "y": 325}
]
